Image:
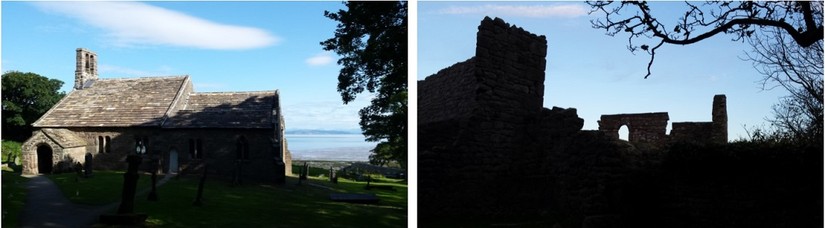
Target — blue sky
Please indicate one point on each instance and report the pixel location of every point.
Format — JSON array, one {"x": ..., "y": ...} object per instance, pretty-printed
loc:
[
  {"x": 223, "y": 46},
  {"x": 250, "y": 46},
  {"x": 596, "y": 74}
]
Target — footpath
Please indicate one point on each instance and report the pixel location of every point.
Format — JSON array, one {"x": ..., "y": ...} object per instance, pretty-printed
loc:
[{"x": 46, "y": 206}]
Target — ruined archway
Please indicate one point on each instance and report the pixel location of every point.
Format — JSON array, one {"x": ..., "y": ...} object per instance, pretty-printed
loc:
[
  {"x": 624, "y": 132},
  {"x": 44, "y": 159}
]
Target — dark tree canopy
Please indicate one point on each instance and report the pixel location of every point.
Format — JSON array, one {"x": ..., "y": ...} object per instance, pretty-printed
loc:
[
  {"x": 26, "y": 97},
  {"x": 371, "y": 39},
  {"x": 802, "y": 21}
]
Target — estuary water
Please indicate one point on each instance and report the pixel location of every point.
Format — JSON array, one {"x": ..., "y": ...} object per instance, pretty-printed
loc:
[{"x": 337, "y": 147}]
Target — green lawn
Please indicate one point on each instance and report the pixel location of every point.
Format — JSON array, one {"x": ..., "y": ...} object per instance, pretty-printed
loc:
[
  {"x": 104, "y": 187},
  {"x": 288, "y": 205},
  {"x": 14, "y": 197}
]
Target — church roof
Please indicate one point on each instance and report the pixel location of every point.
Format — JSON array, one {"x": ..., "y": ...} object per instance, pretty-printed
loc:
[
  {"x": 64, "y": 138},
  {"x": 226, "y": 110},
  {"x": 166, "y": 102}
]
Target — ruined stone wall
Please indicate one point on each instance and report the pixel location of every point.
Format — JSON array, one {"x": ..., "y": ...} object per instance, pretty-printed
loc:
[
  {"x": 448, "y": 94},
  {"x": 474, "y": 118},
  {"x": 642, "y": 128},
  {"x": 719, "y": 134},
  {"x": 697, "y": 132}
]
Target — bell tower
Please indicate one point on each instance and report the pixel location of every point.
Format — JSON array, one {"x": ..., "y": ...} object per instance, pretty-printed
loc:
[{"x": 86, "y": 70}]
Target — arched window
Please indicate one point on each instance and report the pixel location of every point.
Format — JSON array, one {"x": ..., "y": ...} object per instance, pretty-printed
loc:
[
  {"x": 108, "y": 144},
  {"x": 199, "y": 149},
  {"x": 624, "y": 133},
  {"x": 196, "y": 148},
  {"x": 100, "y": 145},
  {"x": 191, "y": 148},
  {"x": 242, "y": 149}
]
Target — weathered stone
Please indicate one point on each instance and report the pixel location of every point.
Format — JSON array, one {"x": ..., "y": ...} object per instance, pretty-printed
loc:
[{"x": 107, "y": 117}]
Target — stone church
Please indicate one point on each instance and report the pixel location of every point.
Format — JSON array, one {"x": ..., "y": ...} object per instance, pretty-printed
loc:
[{"x": 103, "y": 120}]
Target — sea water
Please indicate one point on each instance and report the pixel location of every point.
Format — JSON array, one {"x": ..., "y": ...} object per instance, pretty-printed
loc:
[{"x": 339, "y": 147}]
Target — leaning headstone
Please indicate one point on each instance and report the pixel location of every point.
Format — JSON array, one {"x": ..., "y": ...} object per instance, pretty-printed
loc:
[{"x": 87, "y": 166}]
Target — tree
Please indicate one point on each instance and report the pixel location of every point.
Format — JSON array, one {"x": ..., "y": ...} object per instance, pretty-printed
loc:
[
  {"x": 799, "y": 70},
  {"x": 371, "y": 39},
  {"x": 26, "y": 97},
  {"x": 802, "y": 21},
  {"x": 786, "y": 38}
]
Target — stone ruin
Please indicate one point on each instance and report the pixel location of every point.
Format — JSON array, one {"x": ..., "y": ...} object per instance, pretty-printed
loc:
[
  {"x": 650, "y": 127},
  {"x": 487, "y": 147}
]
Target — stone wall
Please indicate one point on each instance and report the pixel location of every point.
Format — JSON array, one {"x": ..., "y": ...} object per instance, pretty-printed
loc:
[
  {"x": 696, "y": 132},
  {"x": 219, "y": 150},
  {"x": 650, "y": 128},
  {"x": 719, "y": 134},
  {"x": 448, "y": 94},
  {"x": 642, "y": 128}
]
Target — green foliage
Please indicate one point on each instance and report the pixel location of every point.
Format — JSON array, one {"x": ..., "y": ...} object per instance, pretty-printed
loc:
[
  {"x": 14, "y": 197},
  {"x": 11, "y": 150},
  {"x": 371, "y": 39},
  {"x": 26, "y": 97}
]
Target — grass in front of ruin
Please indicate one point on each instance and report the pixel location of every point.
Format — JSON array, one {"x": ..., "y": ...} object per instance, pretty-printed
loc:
[{"x": 14, "y": 196}]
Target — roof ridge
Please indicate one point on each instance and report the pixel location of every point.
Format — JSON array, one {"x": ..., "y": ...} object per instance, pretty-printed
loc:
[
  {"x": 232, "y": 92},
  {"x": 144, "y": 77},
  {"x": 175, "y": 101}
]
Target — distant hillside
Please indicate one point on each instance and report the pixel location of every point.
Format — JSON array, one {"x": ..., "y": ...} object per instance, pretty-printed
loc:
[{"x": 321, "y": 132}]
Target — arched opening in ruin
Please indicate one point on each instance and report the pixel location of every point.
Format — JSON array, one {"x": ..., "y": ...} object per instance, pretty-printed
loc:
[
  {"x": 44, "y": 159},
  {"x": 624, "y": 133}
]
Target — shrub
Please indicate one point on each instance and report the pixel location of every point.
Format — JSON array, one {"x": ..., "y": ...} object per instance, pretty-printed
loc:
[{"x": 11, "y": 150}]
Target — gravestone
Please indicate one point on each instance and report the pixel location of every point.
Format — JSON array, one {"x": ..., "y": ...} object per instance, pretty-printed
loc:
[
  {"x": 332, "y": 177},
  {"x": 198, "y": 200},
  {"x": 304, "y": 172},
  {"x": 87, "y": 166},
  {"x": 125, "y": 212},
  {"x": 153, "y": 195}
]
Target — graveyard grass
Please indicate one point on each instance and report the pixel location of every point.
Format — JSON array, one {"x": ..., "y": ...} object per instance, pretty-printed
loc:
[
  {"x": 104, "y": 187},
  {"x": 14, "y": 197},
  {"x": 247, "y": 205}
]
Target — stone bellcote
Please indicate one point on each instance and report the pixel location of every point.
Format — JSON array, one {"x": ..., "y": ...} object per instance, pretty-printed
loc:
[{"x": 86, "y": 71}]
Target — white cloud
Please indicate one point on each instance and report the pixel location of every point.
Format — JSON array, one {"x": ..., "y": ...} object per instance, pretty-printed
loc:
[
  {"x": 135, "y": 23},
  {"x": 320, "y": 59},
  {"x": 534, "y": 11}
]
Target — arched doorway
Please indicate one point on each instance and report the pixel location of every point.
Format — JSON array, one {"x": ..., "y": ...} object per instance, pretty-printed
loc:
[
  {"x": 44, "y": 159},
  {"x": 173, "y": 161}
]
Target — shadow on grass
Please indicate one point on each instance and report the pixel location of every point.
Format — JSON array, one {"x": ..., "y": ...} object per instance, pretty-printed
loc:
[
  {"x": 103, "y": 188},
  {"x": 14, "y": 197},
  {"x": 288, "y": 205}
]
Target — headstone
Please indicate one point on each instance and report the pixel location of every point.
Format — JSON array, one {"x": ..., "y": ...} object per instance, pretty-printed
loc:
[
  {"x": 130, "y": 178},
  {"x": 332, "y": 177},
  {"x": 198, "y": 200},
  {"x": 304, "y": 172},
  {"x": 153, "y": 195},
  {"x": 87, "y": 166}
]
